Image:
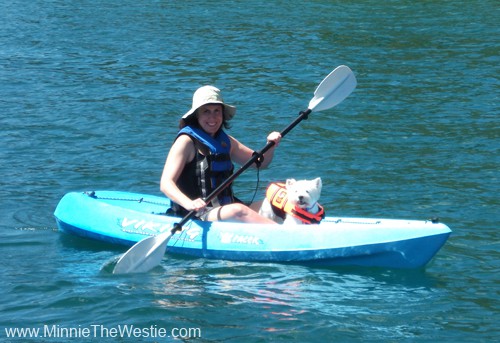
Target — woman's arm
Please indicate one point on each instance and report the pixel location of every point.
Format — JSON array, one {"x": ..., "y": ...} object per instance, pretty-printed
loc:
[
  {"x": 240, "y": 153},
  {"x": 182, "y": 152}
]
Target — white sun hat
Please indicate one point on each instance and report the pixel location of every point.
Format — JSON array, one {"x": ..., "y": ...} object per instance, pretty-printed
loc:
[{"x": 209, "y": 95}]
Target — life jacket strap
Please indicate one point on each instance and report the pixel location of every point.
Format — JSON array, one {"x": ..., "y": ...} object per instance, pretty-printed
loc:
[{"x": 308, "y": 217}]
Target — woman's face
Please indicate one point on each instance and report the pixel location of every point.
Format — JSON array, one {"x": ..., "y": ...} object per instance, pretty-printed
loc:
[{"x": 210, "y": 118}]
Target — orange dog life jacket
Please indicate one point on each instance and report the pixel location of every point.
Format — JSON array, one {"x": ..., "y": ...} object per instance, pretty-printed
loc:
[{"x": 278, "y": 197}]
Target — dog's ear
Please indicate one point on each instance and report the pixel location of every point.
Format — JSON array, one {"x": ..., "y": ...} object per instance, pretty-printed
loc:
[
  {"x": 319, "y": 184},
  {"x": 290, "y": 182}
]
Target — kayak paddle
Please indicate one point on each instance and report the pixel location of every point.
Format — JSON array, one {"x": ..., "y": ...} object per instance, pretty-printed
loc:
[{"x": 148, "y": 253}]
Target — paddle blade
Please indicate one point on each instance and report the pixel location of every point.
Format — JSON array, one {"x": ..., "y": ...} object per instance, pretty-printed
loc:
[
  {"x": 144, "y": 255},
  {"x": 333, "y": 89}
]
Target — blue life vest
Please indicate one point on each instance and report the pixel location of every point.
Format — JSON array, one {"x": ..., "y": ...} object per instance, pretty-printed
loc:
[{"x": 210, "y": 168}]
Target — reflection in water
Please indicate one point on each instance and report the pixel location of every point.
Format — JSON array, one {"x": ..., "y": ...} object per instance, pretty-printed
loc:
[{"x": 287, "y": 293}]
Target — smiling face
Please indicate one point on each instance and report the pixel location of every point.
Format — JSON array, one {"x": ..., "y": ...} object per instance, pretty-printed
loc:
[{"x": 210, "y": 118}]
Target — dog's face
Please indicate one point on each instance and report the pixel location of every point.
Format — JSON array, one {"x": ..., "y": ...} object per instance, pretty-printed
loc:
[{"x": 303, "y": 193}]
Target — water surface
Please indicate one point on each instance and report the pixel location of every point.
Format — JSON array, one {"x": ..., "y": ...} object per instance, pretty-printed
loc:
[{"x": 91, "y": 95}]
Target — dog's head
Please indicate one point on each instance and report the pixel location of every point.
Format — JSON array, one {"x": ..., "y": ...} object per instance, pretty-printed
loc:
[{"x": 304, "y": 193}]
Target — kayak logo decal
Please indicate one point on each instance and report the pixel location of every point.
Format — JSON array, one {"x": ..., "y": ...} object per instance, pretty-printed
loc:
[
  {"x": 191, "y": 234},
  {"x": 231, "y": 238},
  {"x": 142, "y": 226},
  {"x": 150, "y": 228},
  {"x": 146, "y": 227}
]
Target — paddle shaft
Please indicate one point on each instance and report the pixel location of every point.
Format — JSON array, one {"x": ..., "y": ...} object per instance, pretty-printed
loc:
[{"x": 255, "y": 157}]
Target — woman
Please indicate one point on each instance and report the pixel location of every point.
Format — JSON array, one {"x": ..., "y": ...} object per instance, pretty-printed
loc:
[{"x": 200, "y": 159}]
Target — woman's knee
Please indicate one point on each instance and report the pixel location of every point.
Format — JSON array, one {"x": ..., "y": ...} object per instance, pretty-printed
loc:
[{"x": 239, "y": 210}]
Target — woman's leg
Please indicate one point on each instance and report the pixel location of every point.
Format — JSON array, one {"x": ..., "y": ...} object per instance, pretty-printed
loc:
[
  {"x": 256, "y": 205},
  {"x": 238, "y": 213}
]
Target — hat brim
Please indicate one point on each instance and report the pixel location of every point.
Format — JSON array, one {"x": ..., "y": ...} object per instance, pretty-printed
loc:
[{"x": 229, "y": 111}]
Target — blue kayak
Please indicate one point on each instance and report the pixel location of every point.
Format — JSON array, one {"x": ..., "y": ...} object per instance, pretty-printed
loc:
[{"x": 125, "y": 218}]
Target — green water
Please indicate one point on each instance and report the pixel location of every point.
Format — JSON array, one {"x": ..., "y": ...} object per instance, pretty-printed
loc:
[{"x": 91, "y": 95}]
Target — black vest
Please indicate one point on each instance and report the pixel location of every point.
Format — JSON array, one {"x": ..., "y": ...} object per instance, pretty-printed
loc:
[{"x": 209, "y": 168}]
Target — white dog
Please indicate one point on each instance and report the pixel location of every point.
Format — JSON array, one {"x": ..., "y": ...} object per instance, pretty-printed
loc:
[{"x": 294, "y": 201}]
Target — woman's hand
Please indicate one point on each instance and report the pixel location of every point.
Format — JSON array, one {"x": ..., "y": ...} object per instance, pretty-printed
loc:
[
  {"x": 196, "y": 205},
  {"x": 274, "y": 137}
]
